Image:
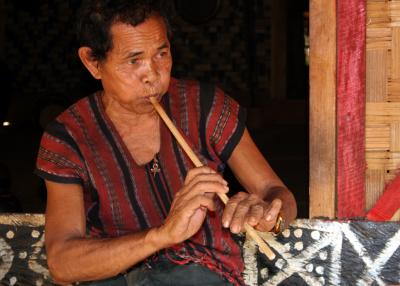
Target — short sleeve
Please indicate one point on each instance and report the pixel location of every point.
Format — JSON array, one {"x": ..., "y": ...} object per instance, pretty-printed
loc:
[
  {"x": 59, "y": 158},
  {"x": 224, "y": 121}
]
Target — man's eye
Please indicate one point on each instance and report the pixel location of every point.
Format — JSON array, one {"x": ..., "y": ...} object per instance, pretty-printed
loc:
[
  {"x": 163, "y": 53},
  {"x": 134, "y": 61}
]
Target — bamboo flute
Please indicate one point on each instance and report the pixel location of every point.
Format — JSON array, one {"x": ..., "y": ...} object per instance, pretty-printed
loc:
[{"x": 264, "y": 248}]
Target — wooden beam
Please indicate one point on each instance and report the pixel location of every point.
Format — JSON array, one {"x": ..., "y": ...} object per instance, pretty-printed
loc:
[
  {"x": 350, "y": 108},
  {"x": 322, "y": 108}
]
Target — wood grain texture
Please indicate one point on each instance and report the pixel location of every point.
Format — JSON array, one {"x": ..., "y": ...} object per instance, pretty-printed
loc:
[
  {"x": 376, "y": 83},
  {"x": 374, "y": 186},
  {"x": 322, "y": 108},
  {"x": 350, "y": 105}
]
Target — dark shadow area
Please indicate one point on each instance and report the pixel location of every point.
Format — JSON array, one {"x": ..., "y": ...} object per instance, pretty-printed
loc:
[{"x": 237, "y": 45}]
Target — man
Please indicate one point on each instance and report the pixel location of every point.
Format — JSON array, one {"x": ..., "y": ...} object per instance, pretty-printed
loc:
[{"x": 125, "y": 204}]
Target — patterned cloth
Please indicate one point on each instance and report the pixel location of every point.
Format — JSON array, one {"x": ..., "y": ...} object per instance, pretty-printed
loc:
[{"x": 83, "y": 146}]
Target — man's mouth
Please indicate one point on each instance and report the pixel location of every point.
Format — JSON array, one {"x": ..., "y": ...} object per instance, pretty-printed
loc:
[{"x": 157, "y": 96}]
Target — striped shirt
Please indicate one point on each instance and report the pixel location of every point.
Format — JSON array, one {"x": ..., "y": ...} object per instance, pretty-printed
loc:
[{"x": 82, "y": 146}]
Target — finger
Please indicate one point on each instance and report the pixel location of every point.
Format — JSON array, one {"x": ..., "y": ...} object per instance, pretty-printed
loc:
[
  {"x": 196, "y": 171},
  {"x": 270, "y": 216},
  {"x": 199, "y": 201},
  {"x": 230, "y": 208},
  {"x": 207, "y": 177},
  {"x": 203, "y": 188},
  {"x": 273, "y": 211},
  {"x": 255, "y": 214},
  {"x": 240, "y": 215},
  {"x": 203, "y": 183},
  {"x": 244, "y": 210}
]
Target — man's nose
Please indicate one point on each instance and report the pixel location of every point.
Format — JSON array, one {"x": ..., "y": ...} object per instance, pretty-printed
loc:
[{"x": 151, "y": 73}]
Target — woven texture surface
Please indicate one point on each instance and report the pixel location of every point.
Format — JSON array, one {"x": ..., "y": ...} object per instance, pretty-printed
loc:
[{"x": 383, "y": 101}]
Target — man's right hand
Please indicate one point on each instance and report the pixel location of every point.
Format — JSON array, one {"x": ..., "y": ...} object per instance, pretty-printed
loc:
[{"x": 190, "y": 205}]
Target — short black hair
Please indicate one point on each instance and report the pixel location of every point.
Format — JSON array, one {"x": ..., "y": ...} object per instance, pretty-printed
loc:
[{"x": 96, "y": 17}]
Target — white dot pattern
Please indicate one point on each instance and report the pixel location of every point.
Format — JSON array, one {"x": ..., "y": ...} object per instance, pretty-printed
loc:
[
  {"x": 10, "y": 234},
  {"x": 299, "y": 245},
  {"x": 319, "y": 270},
  {"x": 298, "y": 233},
  {"x": 35, "y": 233},
  {"x": 323, "y": 255},
  {"x": 22, "y": 254},
  {"x": 315, "y": 235},
  {"x": 13, "y": 280}
]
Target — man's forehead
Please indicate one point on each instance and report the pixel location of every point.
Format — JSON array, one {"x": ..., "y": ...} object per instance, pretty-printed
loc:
[
  {"x": 153, "y": 24},
  {"x": 152, "y": 32}
]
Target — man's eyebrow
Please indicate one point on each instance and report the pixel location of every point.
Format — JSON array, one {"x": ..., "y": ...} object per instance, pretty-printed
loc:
[
  {"x": 163, "y": 46},
  {"x": 135, "y": 54}
]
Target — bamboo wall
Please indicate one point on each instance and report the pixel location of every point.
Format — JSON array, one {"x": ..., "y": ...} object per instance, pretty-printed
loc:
[{"x": 383, "y": 97}]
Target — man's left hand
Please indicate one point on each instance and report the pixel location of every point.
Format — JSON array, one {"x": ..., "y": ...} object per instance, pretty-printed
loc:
[{"x": 249, "y": 208}]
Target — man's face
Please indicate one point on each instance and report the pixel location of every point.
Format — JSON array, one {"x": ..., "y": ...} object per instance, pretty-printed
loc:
[{"x": 138, "y": 65}]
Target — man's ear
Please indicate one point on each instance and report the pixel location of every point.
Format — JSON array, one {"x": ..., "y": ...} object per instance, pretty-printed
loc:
[{"x": 85, "y": 54}]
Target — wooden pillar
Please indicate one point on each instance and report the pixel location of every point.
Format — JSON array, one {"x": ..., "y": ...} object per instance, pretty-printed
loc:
[
  {"x": 350, "y": 108},
  {"x": 322, "y": 108}
]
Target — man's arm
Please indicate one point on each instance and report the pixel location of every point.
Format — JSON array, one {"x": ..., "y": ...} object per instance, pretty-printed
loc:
[
  {"x": 72, "y": 256},
  {"x": 267, "y": 195}
]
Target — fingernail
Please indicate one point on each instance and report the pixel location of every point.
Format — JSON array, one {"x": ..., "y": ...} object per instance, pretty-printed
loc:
[
  {"x": 226, "y": 188},
  {"x": 225, "y": 224},
  {"x": 225, "y": 182},
  {"x": 269, "y": 217}
]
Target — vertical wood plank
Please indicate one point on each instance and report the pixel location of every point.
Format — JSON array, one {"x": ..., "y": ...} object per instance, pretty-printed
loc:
[
  {"x": 350, "y": 108},
  {"x": 322, "y": 108}
]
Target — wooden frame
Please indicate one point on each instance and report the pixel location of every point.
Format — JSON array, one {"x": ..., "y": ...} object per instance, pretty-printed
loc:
[{"x": 323, "y": 160}]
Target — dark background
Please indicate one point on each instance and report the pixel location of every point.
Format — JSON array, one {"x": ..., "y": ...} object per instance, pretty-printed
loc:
[{"x": 254, "y": 50}]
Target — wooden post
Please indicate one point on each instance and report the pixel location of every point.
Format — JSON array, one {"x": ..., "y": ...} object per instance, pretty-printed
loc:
[
  {"x": 350, "y": 108},
  {"x": 322, "y": 108}
]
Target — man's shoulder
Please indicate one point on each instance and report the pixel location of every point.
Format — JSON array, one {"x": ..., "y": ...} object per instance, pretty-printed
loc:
[
  {"x": 193, "y": 87},
  {"x": 82, "y": 103},
  {"x": 65, "y": 117},
  {"x": 179, "y": 83}
]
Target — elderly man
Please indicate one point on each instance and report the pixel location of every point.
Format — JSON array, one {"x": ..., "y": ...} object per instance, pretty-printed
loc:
[{"x": 125, "y": 205}]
